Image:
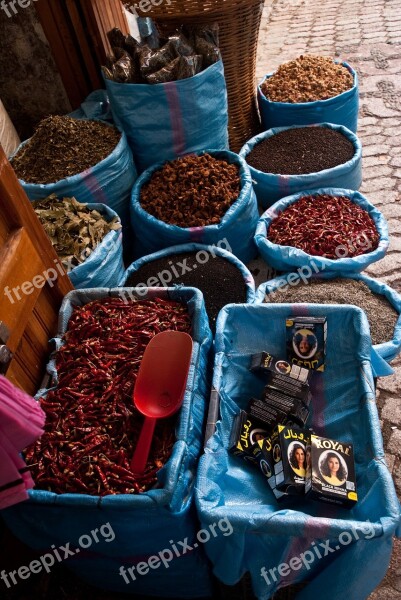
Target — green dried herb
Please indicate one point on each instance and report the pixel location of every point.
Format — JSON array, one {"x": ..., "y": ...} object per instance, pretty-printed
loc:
[
  {"x": 74, "y": 230},
  {"x": 62, "y": 147}
]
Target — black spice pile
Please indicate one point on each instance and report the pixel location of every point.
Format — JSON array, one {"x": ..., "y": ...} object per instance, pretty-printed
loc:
[
  {"x": 62, "y": 147},
  {"x": 220, "y": 281},
  {"x": 381, "y": 315},
  {"x": 92, "y": 425},
  {"x": 300, "y": 151},
  {"x": 192, "y": 191}
]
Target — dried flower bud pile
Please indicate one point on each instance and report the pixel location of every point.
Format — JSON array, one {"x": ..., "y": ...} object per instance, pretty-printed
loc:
[
  {"x": 307, "y": 79},
  {"x": 92, "y": 425},
  {"x": 62, "y": 147},
  {"x": 321, "y": 225},
  {"x": 192, "y": 191},
  {"x": 74, "y": 230}
]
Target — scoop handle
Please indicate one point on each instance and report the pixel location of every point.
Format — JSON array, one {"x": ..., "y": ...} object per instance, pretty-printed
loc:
[{"x": 140, "y": 458}]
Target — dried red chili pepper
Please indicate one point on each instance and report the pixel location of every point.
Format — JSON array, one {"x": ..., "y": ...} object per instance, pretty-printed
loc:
[
  {"x": 325, "y": 225},
  {"x": 90, "y": 447}
]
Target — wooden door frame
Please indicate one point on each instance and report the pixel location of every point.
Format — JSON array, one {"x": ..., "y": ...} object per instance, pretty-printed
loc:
[{"x": 76, "y": 32}]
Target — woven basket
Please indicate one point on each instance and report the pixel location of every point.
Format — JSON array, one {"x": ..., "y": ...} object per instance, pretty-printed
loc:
[{"x": 239, "y": 22}]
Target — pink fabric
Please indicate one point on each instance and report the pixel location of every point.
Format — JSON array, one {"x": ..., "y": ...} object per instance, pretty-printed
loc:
[{"x": 21, "y": 423}]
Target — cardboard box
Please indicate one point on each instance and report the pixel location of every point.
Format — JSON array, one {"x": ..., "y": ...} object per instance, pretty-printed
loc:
[
  {"x": 306, "y": 341},
  {"x": 331, "y": 476}
]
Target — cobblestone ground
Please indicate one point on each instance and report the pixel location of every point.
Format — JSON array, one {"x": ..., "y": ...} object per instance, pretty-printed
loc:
[{"x": 366, "y": 33}]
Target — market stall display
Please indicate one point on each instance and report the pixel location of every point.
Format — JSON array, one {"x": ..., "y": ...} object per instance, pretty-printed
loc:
[
  {"x": 87, "y": 239},
  {"x": 286, "y": 160},
  {"x": 204, "y": 197},
  {"x": 142, "y": 522},
  {"x": 309, "y": 90},
  {"x": 87, "y": 159},
  {"x": 157, "y": 95},
  {"x": 219, "y": 275},
  {"x": 330, "y": 228},
  {"x": 264, "y": 529}
]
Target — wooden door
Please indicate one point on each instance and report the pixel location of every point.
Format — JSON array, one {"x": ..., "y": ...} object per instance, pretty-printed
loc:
[{"x": 32, "y": 286}]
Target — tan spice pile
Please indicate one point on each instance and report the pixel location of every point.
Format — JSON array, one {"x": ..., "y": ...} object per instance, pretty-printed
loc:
[
  {"x": 192, "y": 191},
  {"x": 381, "y": 315},
  {"x": 62, "y": 147},
  {"x": 307, "y": 79},
  {"x": 74, "y": 230}
]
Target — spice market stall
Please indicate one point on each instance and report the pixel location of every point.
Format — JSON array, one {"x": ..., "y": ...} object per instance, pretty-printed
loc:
[{"x": 293, "y": 457}]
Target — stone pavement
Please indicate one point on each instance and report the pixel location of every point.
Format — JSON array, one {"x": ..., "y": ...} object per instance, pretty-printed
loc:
[{"x": 367, "y": 34}]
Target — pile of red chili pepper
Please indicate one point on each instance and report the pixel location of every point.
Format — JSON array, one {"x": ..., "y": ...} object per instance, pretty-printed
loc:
[
  {"x": 92, "y": 425},
  {"x": 324, "y": 225}
]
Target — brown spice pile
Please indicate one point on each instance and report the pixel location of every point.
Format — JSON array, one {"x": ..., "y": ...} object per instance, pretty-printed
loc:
[
  {"x": 381, "y": 315},
  {"x": 192, "y": 191},
  {"x": 307, "y": 79},
  {"x": 62, "y": 147}
]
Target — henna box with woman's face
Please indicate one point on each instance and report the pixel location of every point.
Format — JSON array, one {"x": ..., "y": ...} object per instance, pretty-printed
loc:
[
  {"x": 306, "y": 341},
  {"x": 289, "y": 456},
  {"x": 331, "y": 476}
]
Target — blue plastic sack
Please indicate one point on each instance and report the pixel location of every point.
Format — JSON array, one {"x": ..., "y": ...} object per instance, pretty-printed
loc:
[
  {"x": 109, "y": 182},
  {"x": 143, "y": 524},
  {"x": 95, "y": 106},
  {"x": 237, "y": 226},
  {"x": 341, "y": 110},
  {"x": 387, "y": 350},
  {"x": 267, "y": 534},
  {"x": 286, "y": 258},
  {"x": 104, "y": 267},
  {"x": 270, "y": 187},
  {"x": 167, "y": 120},
  {"x": 183, "y": 248}
]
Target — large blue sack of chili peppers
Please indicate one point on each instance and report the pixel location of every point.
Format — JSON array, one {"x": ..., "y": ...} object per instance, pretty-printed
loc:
[
  {"x": 159, "y": 525},
  {"x": 279, "y": 543},
  {"x": 341, "y": 109},
  {"x": 286, "y": 258},
  {"x": 388, "y": 350},
  {"x": 170, "y": 119},
  {"x": 237, "y": 225}
]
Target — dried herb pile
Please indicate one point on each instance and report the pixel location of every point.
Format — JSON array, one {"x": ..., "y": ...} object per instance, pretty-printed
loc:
[
  {"x": 74, "y": 230},
  {"x": 192, "y": 191},
  {"x": 62, "y": 147},
  {"x": 301, "y": 150},
  {"x": 381, "y": 315},
  {"x": 325, "y": 225},
  {"x": 307, "y": 79},
  {"x": 92, "y": 425}
]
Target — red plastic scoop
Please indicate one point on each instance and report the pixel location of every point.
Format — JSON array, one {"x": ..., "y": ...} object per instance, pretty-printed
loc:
[{"x": 160, "y": 386}]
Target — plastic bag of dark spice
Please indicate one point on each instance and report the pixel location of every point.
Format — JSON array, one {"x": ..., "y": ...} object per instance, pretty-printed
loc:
[{"x": 171, "y": 120}]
